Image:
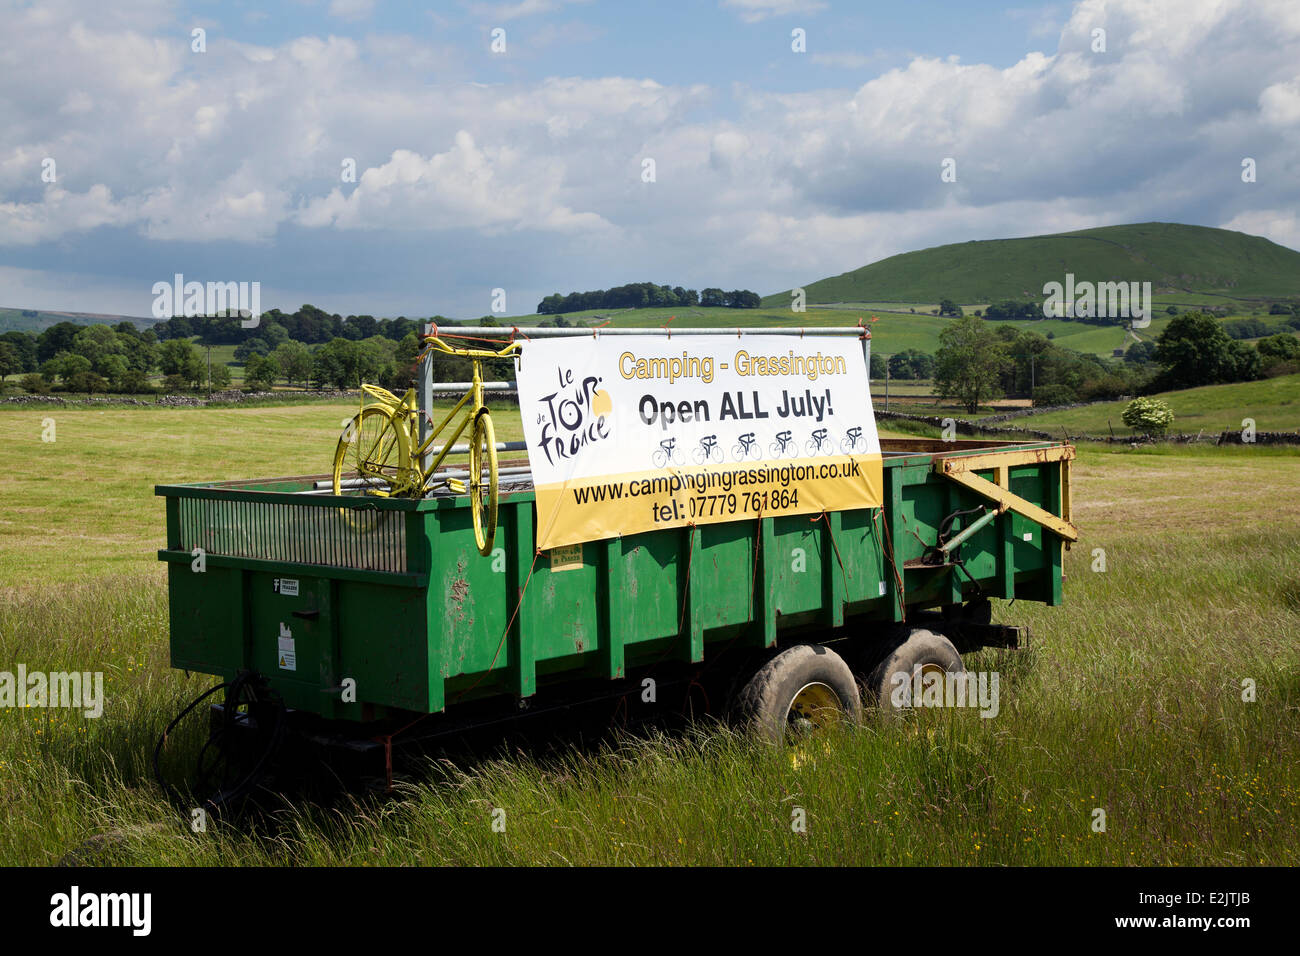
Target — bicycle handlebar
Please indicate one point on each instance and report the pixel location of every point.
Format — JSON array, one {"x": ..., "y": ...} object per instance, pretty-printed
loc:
[{"x": 438, "y": 345}]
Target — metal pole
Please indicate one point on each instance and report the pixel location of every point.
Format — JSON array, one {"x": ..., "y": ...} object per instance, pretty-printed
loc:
[
  {"x": 425, "y": 371},
  {"x": 540, "y": 333},
  {"x": 866, "y": 359}
]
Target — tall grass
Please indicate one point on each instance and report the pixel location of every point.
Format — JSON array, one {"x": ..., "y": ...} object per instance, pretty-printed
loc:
[{"x": 1129, "y": 701}]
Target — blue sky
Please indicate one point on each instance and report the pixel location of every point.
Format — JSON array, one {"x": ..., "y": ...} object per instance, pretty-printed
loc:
[{"x": 524, "y": 169}]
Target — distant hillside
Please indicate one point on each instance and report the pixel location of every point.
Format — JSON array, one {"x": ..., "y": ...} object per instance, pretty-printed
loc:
[
  {"x": 36, "y": 320},
  {"x": 1172, "y": 257}
]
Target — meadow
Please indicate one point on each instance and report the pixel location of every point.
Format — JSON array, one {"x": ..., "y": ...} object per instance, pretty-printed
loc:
[
  {"x": 1129, "y": 699},
  {"x": 1273, "y": 404}
]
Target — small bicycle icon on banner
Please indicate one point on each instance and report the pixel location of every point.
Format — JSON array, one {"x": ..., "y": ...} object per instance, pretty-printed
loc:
[
  {"x": 666, "y": 454},
  {"x": 746, "y": 446},
  {"x": 709, "y": 450}
]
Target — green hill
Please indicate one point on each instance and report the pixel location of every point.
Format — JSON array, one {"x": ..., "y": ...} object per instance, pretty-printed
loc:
[
  {"x": 1174, "y": 258},
  {"x": 38, "y": 320}
]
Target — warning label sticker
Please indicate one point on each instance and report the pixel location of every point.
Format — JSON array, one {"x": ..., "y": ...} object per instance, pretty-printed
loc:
[
  {"x": 287, "y": 655},
  {"x": 286, "y": 586},
  {"x": 566, "y": 557}
]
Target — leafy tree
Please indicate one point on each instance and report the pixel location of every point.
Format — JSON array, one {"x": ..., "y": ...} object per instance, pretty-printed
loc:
[
  {"x": 261, "y": 373},
  {"x": 969, "y": 363},
  {"x": 57, "y": 338},
  {"x": 132, "y": 382},
  {"x": 877, "y": 366},
  {"x": 949, "y": 307},
  {"x": 911, "y": 364},
  {"x": 34, "y": 384},
  {"x": 1241, "y": 363},
  {"x": 97, "y": 343},
  {"x": 249, "y": 347},
  {"x": 87, "y": 381},
  {"x": 1140, "y": 353},
  {"x": 1249, "y": 328},
  {"x": 1280, "y": 348},
  {"x": 180, "y": 357},
  {"x": 219, "y": 376},
  {"x": 274, "y": 333},
  {"x": 1047, "y": 395},
  {"x": 1192, "y": 349},
  {"x": 64, "y": 365},
  {"x": 1150, "y": 416},
  {"x": 11, "y": 362},
  {"x": 113, "y": 368},
  {"x": 294, "y": 361},
  {"x": 343, "y": 364},
  {"x": 24, "y": 343}
]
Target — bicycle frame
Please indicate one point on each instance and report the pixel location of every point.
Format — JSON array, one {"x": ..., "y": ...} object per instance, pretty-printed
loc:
[{"x": 473, "y": 398}]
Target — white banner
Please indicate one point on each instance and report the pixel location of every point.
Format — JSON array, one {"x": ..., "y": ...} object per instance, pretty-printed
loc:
[{"x": 630, "y": 433}]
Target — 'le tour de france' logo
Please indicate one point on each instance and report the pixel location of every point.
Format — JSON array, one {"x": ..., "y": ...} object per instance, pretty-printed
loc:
[{"x": 573, "y": 416}]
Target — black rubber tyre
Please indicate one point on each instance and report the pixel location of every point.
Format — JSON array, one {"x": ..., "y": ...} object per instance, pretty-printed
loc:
[
  {"x": 914, "y": 648},
  {"x": 773, "y": 704}
]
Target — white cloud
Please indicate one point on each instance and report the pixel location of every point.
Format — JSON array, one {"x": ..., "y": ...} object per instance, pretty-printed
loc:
[
  {"x": 752, "y": 11},
  {"x": 847, "y": 61},
  {"x": 244, "y": 144},
  {"x": 493, "y": 189},
  {"x": 1283, "y": 227},
  {"x": 1279, "y": 105},
  {"x": 351, "y": 9},
  {"x": 500, "y": 12}
]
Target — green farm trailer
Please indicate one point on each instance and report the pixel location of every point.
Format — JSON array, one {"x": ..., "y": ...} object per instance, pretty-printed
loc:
[
  {"x": 369, "y": 620},
  {"x": 361, "y": 624}
]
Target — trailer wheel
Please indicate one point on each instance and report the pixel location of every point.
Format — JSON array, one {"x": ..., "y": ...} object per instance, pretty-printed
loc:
[
  {"x": 804, "y": 688},
  {"x": 917, "y": 648}
]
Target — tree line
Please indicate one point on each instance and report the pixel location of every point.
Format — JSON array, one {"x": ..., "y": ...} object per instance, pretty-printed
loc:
[
  {"x": 122, "y": 358},
  {"x": 977, "y": 362},
  {"x": 647, "y": 295}
]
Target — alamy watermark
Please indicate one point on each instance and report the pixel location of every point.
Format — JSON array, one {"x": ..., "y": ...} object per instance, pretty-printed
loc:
[
  {"x": 935, "y": 688},
  {"x": 1115, "y": 300},
  {"x": 191, "y": 299},
  {"x": 72, "y": 689}
]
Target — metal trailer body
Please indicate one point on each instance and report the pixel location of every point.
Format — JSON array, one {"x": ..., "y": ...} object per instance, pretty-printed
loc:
[{"x": 313, "y": 590}]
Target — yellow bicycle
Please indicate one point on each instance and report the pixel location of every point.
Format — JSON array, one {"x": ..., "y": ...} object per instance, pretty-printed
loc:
[{"x": 379, "y": 452}]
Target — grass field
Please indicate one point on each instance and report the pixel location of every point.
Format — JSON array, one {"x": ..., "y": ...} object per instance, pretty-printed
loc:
[
  {"x": 1129, "y": 700},
  {"x": 1273, "y": 403}
]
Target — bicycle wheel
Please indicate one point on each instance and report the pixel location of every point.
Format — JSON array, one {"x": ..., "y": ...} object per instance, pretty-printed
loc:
[
  {"x": 777, "y": 449},
  {"x": 698, "y": 455},
  {"x": 373, "y": 455},
  {"x": 482, "y": 484},
  {"x": 659, "y": 459}
]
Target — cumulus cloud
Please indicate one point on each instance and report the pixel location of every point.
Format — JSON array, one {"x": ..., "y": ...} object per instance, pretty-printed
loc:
[
  {"x": 493, "y": 188},
  {"x": 245, "y": 145}
]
